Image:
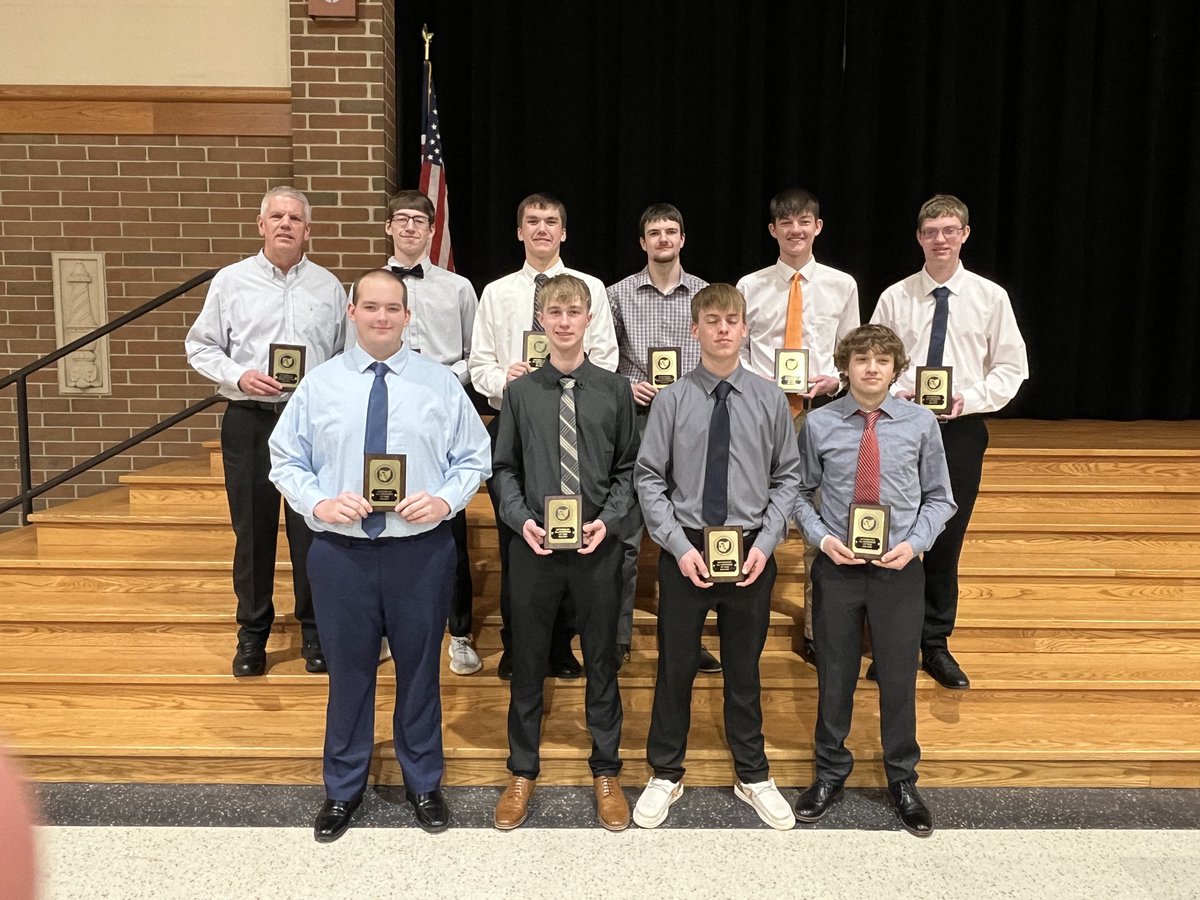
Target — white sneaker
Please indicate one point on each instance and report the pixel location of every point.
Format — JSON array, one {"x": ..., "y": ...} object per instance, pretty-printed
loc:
[
  {"x": 655, "y": 802},
  {"x": 463, "y": 658},
  {"x": 768, "y": 803}
]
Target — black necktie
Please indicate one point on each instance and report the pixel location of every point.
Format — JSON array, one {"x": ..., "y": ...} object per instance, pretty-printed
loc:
[
  {"x": 937, "y": 334},
  {"x": 538, "y": 280},
  {"x": 403, "y": 271},
  {"x": 716, "y": 470}
]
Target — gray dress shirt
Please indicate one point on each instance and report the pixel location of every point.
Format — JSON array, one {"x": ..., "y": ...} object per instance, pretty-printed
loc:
[
  {"x": 913, "y": 479},
  {"x": 764, "y": 466},
  {"x": 644, "y": 317}
]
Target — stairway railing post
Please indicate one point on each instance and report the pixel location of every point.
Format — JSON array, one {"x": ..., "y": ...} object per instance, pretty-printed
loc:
[{"x": 26, "y": 464}]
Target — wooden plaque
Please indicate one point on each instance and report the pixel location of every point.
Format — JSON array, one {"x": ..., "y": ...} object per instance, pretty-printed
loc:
[
  {"x": 935, "y": 388},
  {"x": 723, "y": 554},
  {"x": 663, "y": 366},
  {"x": 869, "y": 525},
  {"x": 791, "y": 371},
  {"x": 537, "y": 349},
  {"x": 563, "y": 521},
  {"x": 286, "y": 364},
  {"x": 384, "y": 477}
]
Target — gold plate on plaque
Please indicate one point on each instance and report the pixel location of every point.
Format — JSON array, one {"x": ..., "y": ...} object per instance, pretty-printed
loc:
[
  {"x": 869, "y": 525},
  {"x": 384, "y": 476},
  {"x": 723, "y": 552},
  {"x": 286, "y": 364},
  {"x": 935, "y": 388},
  {"x": 663, "y": 366},
  {"x": 791, "y": 370},
  {"x": 537, "y": 349},
  {"x": 563, "y": 521}
]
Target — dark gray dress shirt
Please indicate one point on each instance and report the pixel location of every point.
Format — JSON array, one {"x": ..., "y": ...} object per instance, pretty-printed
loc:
[
  {"x": 764, "y": 466},
  {"x": 526, "y": 458}
]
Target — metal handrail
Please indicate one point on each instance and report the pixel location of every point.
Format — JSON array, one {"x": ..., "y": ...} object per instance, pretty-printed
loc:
[{"x": 21, "y": 379}]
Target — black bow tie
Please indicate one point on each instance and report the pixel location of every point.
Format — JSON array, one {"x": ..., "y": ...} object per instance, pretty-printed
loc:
[{"x": 402, "y": 272}]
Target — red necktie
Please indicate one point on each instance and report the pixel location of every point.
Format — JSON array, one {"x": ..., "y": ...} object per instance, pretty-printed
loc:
[{"x": 866, "y": 479}]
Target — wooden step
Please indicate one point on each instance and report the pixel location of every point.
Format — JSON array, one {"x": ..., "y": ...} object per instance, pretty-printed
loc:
[
  {"x": 1025, "y": 739},
  {"x": 1093, "y": 435},
  {"x": 1141, "y": 470}
]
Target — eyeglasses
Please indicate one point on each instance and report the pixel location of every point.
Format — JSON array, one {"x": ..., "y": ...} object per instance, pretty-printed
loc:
[
  {"x": 405, "y": 220},
  {"x": 929, "y": 234}
]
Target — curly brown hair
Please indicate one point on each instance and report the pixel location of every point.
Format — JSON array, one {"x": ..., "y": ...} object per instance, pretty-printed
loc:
[{"x": 879, "y": 338}]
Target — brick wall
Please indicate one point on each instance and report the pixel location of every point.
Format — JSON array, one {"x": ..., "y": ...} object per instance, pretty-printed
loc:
[{"x": 164, "y": 207}]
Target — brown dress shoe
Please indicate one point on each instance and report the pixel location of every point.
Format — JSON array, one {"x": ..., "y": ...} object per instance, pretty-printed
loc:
[
  {"x": 611, "y": 806},
  {"x": 513, "y": 805}
]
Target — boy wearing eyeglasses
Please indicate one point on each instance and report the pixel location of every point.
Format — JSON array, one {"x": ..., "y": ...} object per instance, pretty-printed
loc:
[
  {"x": 442, "y": 306},
  {"x": 948, "y": 316}
]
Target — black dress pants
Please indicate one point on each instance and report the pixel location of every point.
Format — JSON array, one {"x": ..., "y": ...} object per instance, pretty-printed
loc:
[
  {"x": 254, "y": 512},
  {"x": 564, "y": 629},
  {"x": 743, "y": 614},
  {"x": 460, "y": 607},
  {"x": 540, "y": 585},
  {"x": 891, "y": 602},
  {"x": 966, "y": 440}
]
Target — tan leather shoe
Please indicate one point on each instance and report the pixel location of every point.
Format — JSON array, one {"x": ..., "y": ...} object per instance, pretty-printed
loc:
[
  {"x": 612, "y": 809},
  {"x": 513, "y": 805}
]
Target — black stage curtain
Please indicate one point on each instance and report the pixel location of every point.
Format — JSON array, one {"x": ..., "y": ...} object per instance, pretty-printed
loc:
[{"x": 1071, "y": 130}]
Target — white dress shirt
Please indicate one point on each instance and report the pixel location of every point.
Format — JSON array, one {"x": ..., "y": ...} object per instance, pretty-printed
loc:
[
  {"x": 317, "y": 445},
  {"x": 506, "y": 313},
  {"x": 251, "y": 305},
  {"x": 830, "y": 313},
  {"x": 443, "y": 307},
  {"x": 983, "y": 343}
]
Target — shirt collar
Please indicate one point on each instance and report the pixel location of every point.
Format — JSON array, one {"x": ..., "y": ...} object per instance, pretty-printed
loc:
[
  {"x": 954, "y": 282},
  {"x": 709, "y": 381},
  {"x": 642, "y": 280},
  {"x": 362, "y": 360},
  {"x": 530, "y": 272},
  {"x": 273, "y": 271},
  {"x": 806, "y": 271},
  {"x": 581, "y": 374},
  {"x": 846, "y": 406},
  {"x": 423, "y": 262}
]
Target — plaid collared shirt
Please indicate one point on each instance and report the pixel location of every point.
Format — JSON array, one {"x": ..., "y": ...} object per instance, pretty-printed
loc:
[{"x": 644, "y": 317}]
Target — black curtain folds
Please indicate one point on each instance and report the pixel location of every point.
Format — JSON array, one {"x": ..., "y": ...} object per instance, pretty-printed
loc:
[{"x": 1070, "y": 129}]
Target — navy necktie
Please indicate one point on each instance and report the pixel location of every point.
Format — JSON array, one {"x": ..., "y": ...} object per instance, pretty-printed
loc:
[
  {"x": 376, "y": 439},
  {"x": 715, "y": 506},
  {"x": 937, "y": 334},
  {"x": 538, "y": 280},
  {"x": 401, "y": 271}
]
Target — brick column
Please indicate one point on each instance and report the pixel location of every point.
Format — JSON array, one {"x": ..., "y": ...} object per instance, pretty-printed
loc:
[{"x": 344, "y": 130}]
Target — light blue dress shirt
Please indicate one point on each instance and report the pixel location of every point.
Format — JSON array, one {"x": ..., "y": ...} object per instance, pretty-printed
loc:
[
  {"x": 317, "y": 445},
  {"x": 913, "y": 478}
]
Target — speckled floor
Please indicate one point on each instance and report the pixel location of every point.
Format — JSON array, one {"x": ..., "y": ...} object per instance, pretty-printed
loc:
[
  {"x": 532, "y": 863},
  {"x": 249, "y": 841}
]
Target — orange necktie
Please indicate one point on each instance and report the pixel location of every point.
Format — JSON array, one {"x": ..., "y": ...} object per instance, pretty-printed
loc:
[{"x": 793, "y": 331}]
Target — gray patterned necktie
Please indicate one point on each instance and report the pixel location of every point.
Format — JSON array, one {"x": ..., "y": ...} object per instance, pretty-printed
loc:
[
  {"x": 568, "y": 441},
  {"x": 538, "y": 280}
]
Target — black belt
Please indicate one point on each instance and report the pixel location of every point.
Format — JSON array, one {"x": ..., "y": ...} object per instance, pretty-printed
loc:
[
  {"x": 357, "y": 543},
  {"x": 262, "y": 405}
]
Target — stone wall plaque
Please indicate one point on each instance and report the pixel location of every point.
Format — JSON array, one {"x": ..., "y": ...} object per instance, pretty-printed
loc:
[{"x": 81, "y": 306}]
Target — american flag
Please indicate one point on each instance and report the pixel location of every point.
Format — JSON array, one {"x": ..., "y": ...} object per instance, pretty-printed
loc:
[{"x": 433, "y": 174}]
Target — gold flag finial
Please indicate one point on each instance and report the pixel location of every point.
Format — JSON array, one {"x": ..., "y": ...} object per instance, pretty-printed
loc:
[{"x": 428, "y": 37}]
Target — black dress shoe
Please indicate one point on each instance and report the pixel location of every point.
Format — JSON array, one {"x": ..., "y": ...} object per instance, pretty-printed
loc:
[
  {"x": 314, "y": 656},
  {"x": 250, "y": 659},
  {"x": 432, "y": 813},
  {"x": 622, "y": 655},
  {"x": 808, "y": 653},
  {"x": 504, "y": 668},
  {"x": 815, "y": 802},
  {"x": 708, "y": 664},
  {"x": 945, "y": 670},
  {"x": 567, "y": 667},
  {"x": 914, "y": 815},
  {"x": 334, "y": 819}
]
